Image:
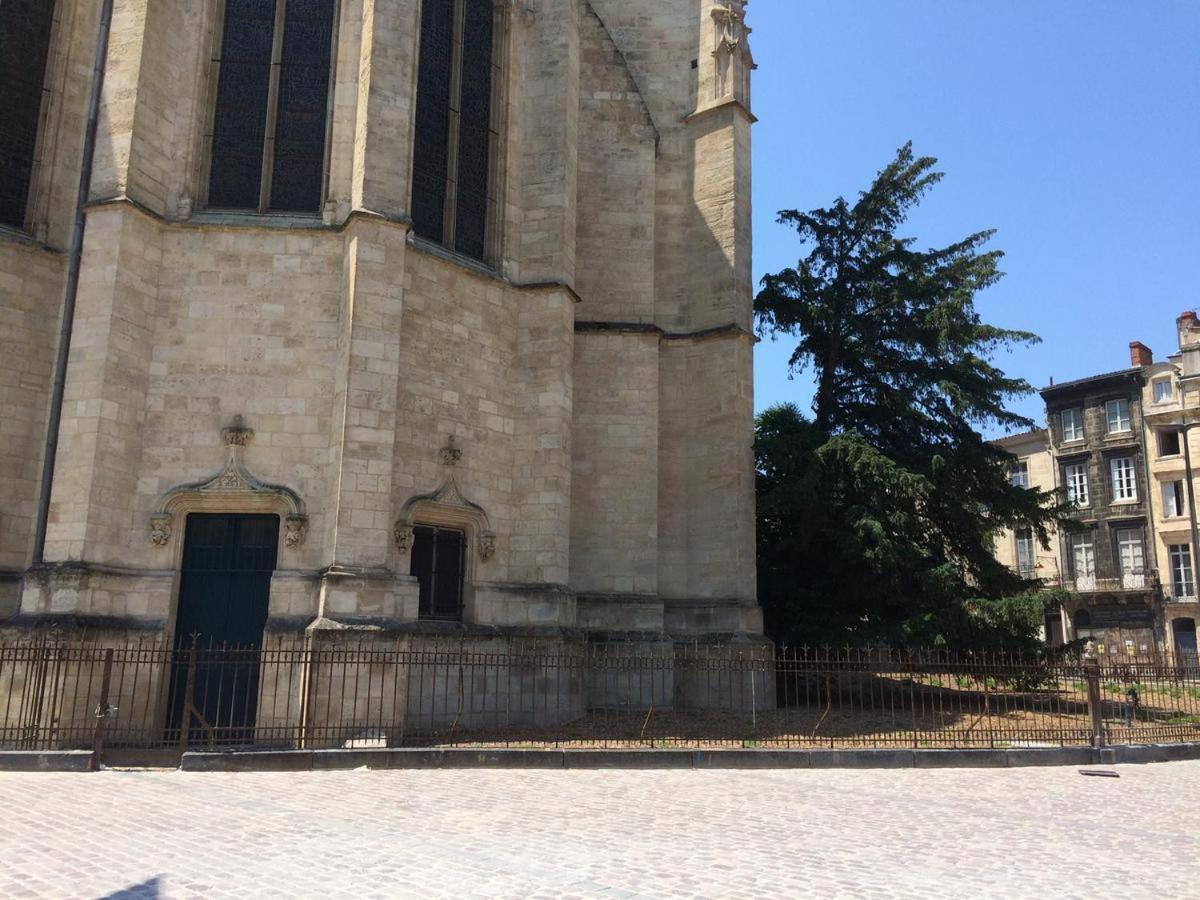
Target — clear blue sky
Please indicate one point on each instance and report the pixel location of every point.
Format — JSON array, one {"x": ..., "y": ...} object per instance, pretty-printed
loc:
[{"x": 1071, "y": 126}]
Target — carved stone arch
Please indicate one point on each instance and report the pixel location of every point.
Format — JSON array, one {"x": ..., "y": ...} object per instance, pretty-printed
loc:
[
  {"x": 446, "y": 506},
  {"x": 233, "y": 488}
]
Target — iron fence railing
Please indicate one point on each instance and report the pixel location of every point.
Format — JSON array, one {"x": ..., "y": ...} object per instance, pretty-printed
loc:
[{"x": 294, "y": 694}]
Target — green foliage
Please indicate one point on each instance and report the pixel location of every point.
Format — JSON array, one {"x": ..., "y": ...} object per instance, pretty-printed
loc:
[{"x": 877, "y": 516}]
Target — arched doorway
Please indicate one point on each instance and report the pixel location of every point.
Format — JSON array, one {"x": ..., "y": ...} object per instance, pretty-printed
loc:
[
  {"x": 1184, "y": 633},
  {"x": 224, "y": 594}
]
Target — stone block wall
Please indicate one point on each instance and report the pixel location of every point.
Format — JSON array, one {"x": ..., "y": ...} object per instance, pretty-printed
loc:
[{"x": 591, "y": 384}]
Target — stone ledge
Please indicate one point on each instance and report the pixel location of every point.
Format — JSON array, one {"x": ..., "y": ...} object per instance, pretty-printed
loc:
[
  {"x": 45, "y": 761},
  {"x": 451, "y": 757}
]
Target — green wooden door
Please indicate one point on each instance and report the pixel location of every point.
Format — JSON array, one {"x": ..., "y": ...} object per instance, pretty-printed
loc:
[{"x": 224, "y": 594}]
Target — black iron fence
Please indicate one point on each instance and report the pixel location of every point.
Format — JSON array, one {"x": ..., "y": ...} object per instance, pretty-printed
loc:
[{"x": 293, "y": 694}]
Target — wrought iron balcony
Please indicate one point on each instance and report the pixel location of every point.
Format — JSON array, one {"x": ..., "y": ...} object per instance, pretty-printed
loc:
[{"x": 1126, "y": 581}]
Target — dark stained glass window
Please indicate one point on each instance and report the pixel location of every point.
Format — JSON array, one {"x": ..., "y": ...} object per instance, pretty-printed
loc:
[
  {"x": 303, "y": 104},
  {"x": 452, "y": 155},
  {"x": 438, "y": 562},
  {"x": 24, "y": 48},
  {"x": 431, "y": 151},
  {"x": 271, "y": 107},
  {"x": 474, "y": 129}
]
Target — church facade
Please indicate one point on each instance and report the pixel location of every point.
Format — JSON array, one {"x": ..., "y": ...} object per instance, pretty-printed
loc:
[{"x": 425, "y": 317}]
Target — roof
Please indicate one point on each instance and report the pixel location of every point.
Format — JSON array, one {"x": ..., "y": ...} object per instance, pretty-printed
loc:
[
  {"x": 1021, "y": 437},
  {"x": 1091, "y": 379}
]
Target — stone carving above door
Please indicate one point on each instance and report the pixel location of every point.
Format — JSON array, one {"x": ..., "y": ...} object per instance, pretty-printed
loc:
[{"x": 232, "y": 489}]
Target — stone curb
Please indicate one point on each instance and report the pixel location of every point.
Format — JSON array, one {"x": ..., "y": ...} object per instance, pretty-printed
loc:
[
  {"x": 455, "y": 758},
  {"x": 48, "y": 761},
  {"x": 449, "y": 758}
]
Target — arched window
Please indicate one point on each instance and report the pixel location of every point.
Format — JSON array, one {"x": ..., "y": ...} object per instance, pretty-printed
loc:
[
  {"x": 24, "y": 48},
  {"x": 455, "y": 132},
  {"x": 271, "y": 110}
]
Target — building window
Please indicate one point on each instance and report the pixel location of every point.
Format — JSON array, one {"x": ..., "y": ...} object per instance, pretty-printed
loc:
[
  {"x": 455, "y": 130},
  {"x": 1163, "y": 390},
  {"x": 1130, "y": 552},
  {"x": 1019, "y": 474},
  {"x": 1026, "y": 561},
  {"x": 1168, "y": 443},
  {"x": 1174, "y": 504},
  {"x": 1083, "y": 626},
  {"x": 1083, "y": 560},
  {"x": 1124, "y": 479},
  {"x": 1182, "y": 584},
  {"x": 1116, "y": 416},
  {"x": 439, "y": 563},
  {"x": 1076, "y": 480},
  {"x": 1072, "y": 425},
  {"x": 271, "y": 112},
  {"x": 24, "y": 49}
]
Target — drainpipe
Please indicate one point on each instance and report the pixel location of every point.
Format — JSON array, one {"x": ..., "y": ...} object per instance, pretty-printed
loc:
[{"x": 73, "y": 263}]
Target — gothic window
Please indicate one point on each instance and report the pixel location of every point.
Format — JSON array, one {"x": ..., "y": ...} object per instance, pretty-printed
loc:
[
  {"x": 270, "y": 115},
  {"x": 438, "y": 562},
  {"x": 24, "y": 49},
  {"x": 455, "y": 132}
]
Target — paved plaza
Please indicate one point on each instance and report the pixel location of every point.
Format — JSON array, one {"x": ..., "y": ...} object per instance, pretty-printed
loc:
[{"x": 510, "y": 833}]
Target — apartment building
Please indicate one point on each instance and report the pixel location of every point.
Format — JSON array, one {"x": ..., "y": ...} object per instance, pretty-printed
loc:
[
  {"x": 1019, "y": 549},
  {"x": 1120, "y": 446}
]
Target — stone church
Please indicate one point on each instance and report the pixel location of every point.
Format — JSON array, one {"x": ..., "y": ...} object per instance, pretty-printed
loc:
[{"x": 424, "y": 317}]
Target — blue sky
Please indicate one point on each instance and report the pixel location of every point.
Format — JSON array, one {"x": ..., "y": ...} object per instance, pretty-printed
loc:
[{"x": 1072, "y": 127}]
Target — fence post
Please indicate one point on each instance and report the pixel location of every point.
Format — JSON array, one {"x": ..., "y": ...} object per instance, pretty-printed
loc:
[
  {"x": 1091, "y": 676},
  {"x": 185, "y": 722},
  {"x": 102, "y": 711}
]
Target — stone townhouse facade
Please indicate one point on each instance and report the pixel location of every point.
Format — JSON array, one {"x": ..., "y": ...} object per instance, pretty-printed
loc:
[
  {"x": 1120, "y": 447},
  {"x": 388, "y": 317}
]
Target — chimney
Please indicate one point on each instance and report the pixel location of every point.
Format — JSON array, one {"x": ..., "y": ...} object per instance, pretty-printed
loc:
[
  {"x": 1139, "y": 354},
  {"x": 1187, "y": 326}
]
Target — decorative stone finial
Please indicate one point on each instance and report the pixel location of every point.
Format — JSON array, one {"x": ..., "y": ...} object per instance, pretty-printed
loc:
[
  {"x": 1089, "y": 650},
  {"x": 237, "y": 434},
  {"x": 450, "y": 454},
  {"x": 731, "y": 50}
]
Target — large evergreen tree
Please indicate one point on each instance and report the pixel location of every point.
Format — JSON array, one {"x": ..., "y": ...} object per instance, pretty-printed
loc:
[{"x": 877, "y": 517}]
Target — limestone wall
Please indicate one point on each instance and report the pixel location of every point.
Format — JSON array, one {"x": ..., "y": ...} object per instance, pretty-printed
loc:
[{"x": 595, "y": 375}]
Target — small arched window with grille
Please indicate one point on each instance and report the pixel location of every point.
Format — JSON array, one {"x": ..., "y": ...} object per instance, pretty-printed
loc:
[
  {"x": 456, "y": 132},
  {"x": 25, "y": 27},
  {"x": 271, "y": 112}
]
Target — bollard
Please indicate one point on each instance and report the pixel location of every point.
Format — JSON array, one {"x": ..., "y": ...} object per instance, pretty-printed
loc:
[
  {"x": 1091, "y": 676},
  {"x": 103, "y": 710}
]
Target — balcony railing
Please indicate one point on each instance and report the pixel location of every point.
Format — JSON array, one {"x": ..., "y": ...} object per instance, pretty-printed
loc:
[{"x": 1126, "y": 581}]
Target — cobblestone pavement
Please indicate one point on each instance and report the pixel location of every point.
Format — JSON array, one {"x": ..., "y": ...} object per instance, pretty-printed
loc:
[{"x": 497, "y": 833}]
